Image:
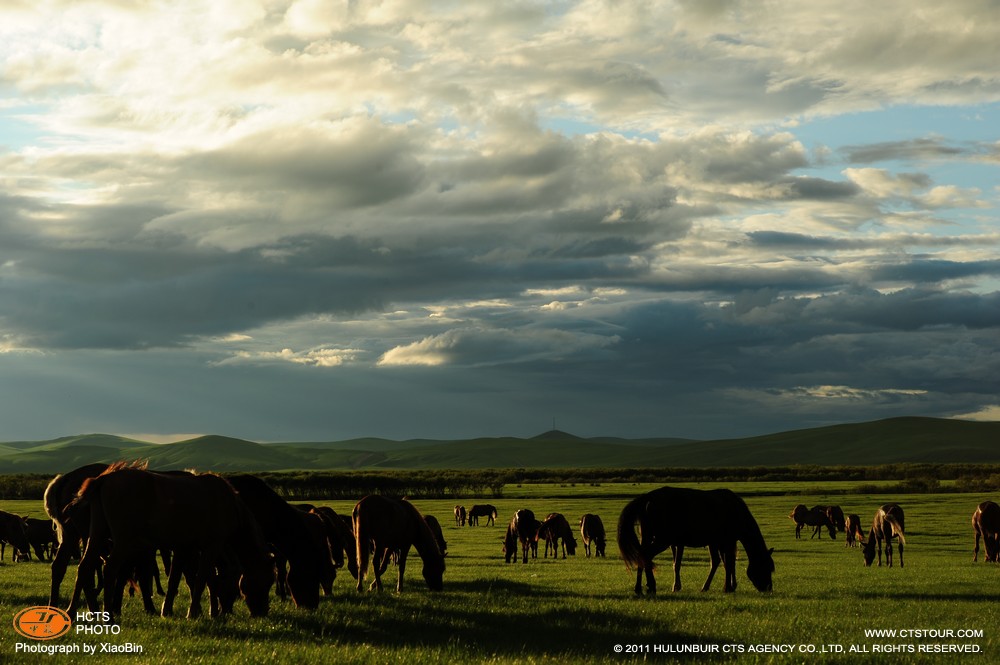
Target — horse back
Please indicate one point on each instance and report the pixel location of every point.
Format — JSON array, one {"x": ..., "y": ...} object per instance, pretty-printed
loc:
[
  {"x": 693, "y": 518},
  {"x": 154, "y": 508}
]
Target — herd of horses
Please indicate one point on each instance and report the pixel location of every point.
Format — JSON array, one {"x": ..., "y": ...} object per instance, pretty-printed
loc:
[
  {"x": 888, "y": 523},
  {"x": 237, "y": 538}
]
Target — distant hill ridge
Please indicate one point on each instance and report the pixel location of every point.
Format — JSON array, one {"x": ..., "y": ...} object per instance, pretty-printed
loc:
[{"x": 896, "y": 440}]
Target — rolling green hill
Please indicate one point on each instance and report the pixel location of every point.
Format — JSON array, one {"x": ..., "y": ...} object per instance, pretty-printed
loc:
[{"x": 897, "y": 440}]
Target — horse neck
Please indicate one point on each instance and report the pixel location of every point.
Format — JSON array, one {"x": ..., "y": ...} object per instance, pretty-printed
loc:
[
  {"x": 425, "y": 543},
  {"x": 752, "y": 538}
]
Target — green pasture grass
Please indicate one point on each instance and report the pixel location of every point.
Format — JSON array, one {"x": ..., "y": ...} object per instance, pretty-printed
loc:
[{"x": 578, "y": 609}]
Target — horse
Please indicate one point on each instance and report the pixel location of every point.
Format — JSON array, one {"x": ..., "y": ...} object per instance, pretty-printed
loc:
[
  {"x": 288, "y": 534},
  {"x": 460, "y": 515},
  {"x": 986, "y": 525},
  {"x": 835, "y": 515},
  {"x": 72, "y": 526},
  {"x": 888, "y": 523},
  {"x": 340, "y": 537},
  {"x": 523, "y": 528},
  {"x": 816, "y": 517},
  {"x": 483, "y": 510},
  {"x": 592, "y": 530},
  {"x": 554, "y": 529},
  {"x": 678, "y": 518},
  {"x": 141, "y": 510},
  {"x": 383, "y": 525},
  {"x": 854, "y": 534},
  {"x": 41, "y": 535},
  {"x": 12, "y": 531}
]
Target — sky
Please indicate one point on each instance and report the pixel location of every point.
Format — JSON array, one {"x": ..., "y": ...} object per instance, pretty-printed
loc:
[{"x": 319, "y": 220}]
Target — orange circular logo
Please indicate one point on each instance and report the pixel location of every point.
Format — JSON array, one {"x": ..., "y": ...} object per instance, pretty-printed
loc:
[{"x": 42, "y": 623}]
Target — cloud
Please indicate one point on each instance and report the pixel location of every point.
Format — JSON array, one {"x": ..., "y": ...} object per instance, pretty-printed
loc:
[{"x": 479, "y": 347}]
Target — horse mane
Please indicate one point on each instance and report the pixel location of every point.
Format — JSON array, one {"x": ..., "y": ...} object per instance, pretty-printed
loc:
[{"x": 140, "y": 465}]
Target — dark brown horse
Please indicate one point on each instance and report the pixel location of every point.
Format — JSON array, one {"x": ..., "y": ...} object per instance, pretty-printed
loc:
[
  {"x": 12, "y": 531},
  {"x": 592, "y": 531},
  {"x": 556, "y": 529},
  {"x": 887, "y": 524},
  {"x": 460, "y": 515},
  {"x": 986, "y": 524},
  {"x": 815, "y": 517},
  {"x": 141, "y": 511},
  {"x": 483, "y": 510},
  {"x": 72, "y": 526},
  {"x": 340, "y": 537},
  {"x": 835, "y": 514},
  {"x": 678, "y": 518},
  {"x": 523, "y": 529},
  {"x": 383, "y": 526},
  {"x": 288, "y": 534},
  {"x": 41, "y": 536},
  {"x": 853, "y": 530}
]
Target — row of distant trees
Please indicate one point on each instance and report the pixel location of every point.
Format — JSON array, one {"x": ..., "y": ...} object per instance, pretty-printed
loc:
[{"x": 438, "y": 484}]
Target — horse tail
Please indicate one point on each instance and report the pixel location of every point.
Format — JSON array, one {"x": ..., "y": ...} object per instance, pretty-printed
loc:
[
  {"x": 628, "y": 541},
  {"x": 362, "y": 542},
  {"x": 897, "y": 528},
  {"x": 52, "y": 507}
]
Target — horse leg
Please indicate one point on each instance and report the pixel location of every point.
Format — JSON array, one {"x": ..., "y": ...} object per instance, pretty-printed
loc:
[
  {"x": 729, "y": 566},
  {"x": 901, "y": 554},
  {"x": 198, "y": 581},
  {"x": 678, "y": 554},
  {"x": 401, "y": 566},
  {"x": 85, "y": 572},
  {"x": 379, "y": 554},
  {"x": 173, "y": 584},
  {"x": 147, "y": 570},
  {"x": 60, "y": 562},
  {"x": 713, "y": 552}
]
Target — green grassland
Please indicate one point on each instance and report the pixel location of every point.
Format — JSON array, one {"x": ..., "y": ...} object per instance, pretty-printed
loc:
[{"x": 578, "y": 609}]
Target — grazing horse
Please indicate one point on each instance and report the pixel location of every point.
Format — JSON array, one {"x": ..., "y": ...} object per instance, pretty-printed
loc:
[
  {"x": 72, "y": 525},
  {"x": 854, "y": 533},
  {"x": 142, "y": 510},
  {"x": 986, "y": 524},
  {"x": 888, "y": 523},
  {"x": 816, "y": 517},
  {"x": 554, "y": 529},
  {"x": 340, "y": 537},
  {"x": 382, "y": 526},
  {"x": 835, "y": 514},
  {"x": 287, "y": 532},
  {"x": 483, "y": 510},
  {"x": 592, "y": 530},
  {"x": 12, "y": 531},
  {"x": 460, "y": 515},
  {"x": 678, "y": 518},
  {"x": 41, "y": 536},
  {"x": 523, "y": 528}
]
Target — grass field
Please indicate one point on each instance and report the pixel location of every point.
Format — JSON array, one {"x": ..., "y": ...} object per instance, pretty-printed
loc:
[{"x": 579, "y": 609}]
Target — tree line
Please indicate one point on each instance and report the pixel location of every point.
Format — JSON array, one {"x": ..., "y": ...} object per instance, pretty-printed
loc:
[{"x": 459, "y": 484}]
